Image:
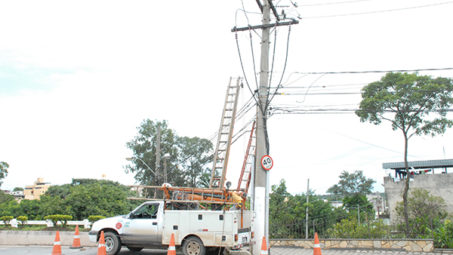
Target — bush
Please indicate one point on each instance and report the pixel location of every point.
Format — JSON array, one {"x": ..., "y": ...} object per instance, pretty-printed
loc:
[
  {"x": 443, "y": 236},
  {"x": 348, "y": 228},
  {"x": 59, "y": 218},
  {"x": 6, "y": 219},
  {"x": 23, "y": 220},
  {"x": 93, "y": 218}
]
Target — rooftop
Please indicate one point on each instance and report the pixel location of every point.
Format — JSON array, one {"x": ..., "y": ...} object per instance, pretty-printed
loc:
[{"x": 423, "y": 164}]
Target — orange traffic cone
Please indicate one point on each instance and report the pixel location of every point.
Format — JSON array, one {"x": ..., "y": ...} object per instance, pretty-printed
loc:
[
  {"x": 76, "y": 241},
  {"x": 57, "y": 245},
  {"x": 263, "y": 247},
  {"x": 171, "y": 247},
  {"x": 316, "y": 246},
  {"x": 101, "y": 246}
]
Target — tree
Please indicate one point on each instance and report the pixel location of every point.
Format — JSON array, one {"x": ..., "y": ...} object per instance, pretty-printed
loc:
[
  {"x": 352, "y": 184},
  {"x": 86, "y": 197},
  {"x": 413, "y": 104},
  {"x": 143, "y": 147},
  {"x": 426, "y": 212},
  {"x": 359, "y": 207},
  {"x": 188, "y": 157},
  {"x": 3, "y": 171},
  {"x": 287, "y": 213},
  {"x": 194, "y": 155}
]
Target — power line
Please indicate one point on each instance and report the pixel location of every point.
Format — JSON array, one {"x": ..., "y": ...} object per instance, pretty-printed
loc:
[
  {"x": 284, "y": 67},
  {"x": 282, "y": 110},
  {"x": 334, "y": 3},
  {"x": 316, "y": 93},
  {"x": 327, "y": 86},
  {"x": 379, "y": 71},
  {"x": 378, "y": 11}
]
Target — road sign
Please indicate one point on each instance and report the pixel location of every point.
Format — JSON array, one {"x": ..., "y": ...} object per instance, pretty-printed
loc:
[{"x": 266, "y": 162}]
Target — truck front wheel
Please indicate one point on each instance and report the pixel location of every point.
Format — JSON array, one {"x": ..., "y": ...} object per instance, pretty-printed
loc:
[
  {"x": 193, "y": 246},
  {"x": 112, "y": 243}
]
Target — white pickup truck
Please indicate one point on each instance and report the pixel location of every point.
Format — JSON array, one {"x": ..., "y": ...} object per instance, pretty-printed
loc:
[{"x": 197, "y": 232}]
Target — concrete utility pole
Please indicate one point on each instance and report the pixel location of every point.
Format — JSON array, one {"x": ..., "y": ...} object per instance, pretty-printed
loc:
[
  {"x": 157, "y": 156},
  {"x": 261, "y": 176}
]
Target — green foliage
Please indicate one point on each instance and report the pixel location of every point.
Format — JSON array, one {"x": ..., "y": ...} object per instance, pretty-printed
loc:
[
  {"x": 3, "y": 171},
  {"x": 194, "y": 155},
  {"x": 349, "y": 228},
  {"x": 412, "y": 103},
  {"x": 59, "y": 218},
  {"x": 89, "y": 197},
  {"x": 187, "y": 162},
  {"x": 5, "y": 197},
  {"x": 426, "y": 212},
  {"x": 359, "y": 203},
  {"x": 30, "y": 208},
  {"x": 80, "y": 200},
  {"x": 6, "y": 219},
  {"x": 18, "y": 189},
  {"x": 409, "y": 101},
  {"x": 443, "y": 235},
  {"x": 22, "y": 220},
  {"x": 9, "y": 207},
  {"x": 287, "y": 213},
  {"x": 93, "y": 218},
  {"x": 351, "y": 184}
]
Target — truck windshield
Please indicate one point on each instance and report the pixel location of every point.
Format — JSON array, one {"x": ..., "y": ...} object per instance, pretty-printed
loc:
[{"x": 146, "y": 211}]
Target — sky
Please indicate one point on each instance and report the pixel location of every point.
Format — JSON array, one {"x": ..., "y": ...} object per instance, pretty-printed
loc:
[{"x": 78, "y": 77}]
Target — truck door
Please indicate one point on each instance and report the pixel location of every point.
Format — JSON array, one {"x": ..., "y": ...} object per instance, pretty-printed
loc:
[{"x": 144, "y": 226}]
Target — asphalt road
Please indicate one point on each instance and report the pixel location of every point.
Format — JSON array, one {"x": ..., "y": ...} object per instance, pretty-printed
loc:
[{"x": 46, "y": 250}]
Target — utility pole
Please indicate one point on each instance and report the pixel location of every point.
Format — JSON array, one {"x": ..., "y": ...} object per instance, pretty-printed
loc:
[
  {"x": 261, "y": 176},
  {"x": 358, "y": 214},
  {"x": 306, "y": 209},
  {"x": 157, "y": 156}
]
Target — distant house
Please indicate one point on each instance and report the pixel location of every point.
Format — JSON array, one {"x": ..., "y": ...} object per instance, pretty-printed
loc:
[
  {"x": 35, "y": 191},
  {"x": 379, "y": 204},
  {"x": 431, "y": 175}
]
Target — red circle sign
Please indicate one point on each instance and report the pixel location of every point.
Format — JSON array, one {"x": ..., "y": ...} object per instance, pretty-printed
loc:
[
  {"x": 266, "y": 162},
  {"x": 118, "y": 225}
]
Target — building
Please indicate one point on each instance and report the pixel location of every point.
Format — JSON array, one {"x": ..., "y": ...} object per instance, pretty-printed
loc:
[
  {"x": 431, "y": 175},
  {"x": 35, "y": 191},
  {"x": 379, "y": 204}
]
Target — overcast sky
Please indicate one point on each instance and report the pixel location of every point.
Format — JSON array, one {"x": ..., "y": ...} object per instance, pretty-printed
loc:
[{"x": 78, "y": 77}]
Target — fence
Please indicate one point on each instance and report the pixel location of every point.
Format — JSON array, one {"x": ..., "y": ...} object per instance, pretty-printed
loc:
[
  {"x": 15, "y": 223},
  {"x": 296, "y": 229}
]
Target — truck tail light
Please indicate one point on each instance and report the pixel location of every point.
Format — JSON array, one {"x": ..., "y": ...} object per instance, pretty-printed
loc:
[
  {"x": 253, "y": 235},
  {"x": 236, "y": 237}
]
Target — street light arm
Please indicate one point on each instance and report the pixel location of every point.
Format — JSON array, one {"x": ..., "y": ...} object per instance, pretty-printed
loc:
[{"x": 130, "y": 159}]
